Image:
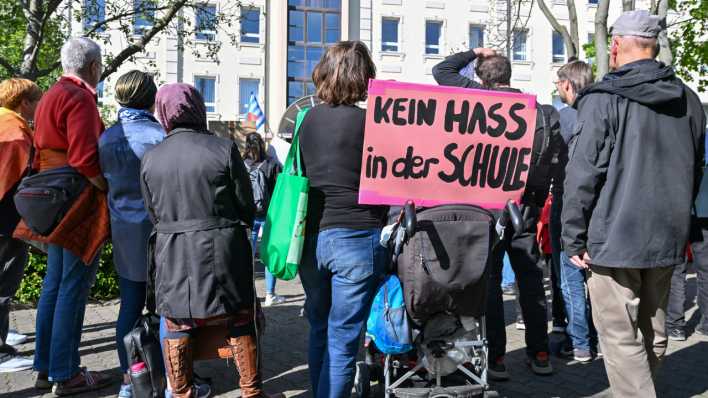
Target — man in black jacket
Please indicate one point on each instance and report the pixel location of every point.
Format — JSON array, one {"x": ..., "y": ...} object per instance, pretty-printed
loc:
[
  {"x": 635, "y": 167},
  {"x": 495, "y": 72}
]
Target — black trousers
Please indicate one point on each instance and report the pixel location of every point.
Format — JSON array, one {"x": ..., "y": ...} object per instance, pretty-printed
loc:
[
  {"x": 675, "y": 311},
  {"x": 13, "y": 257},
  {"x": 523, "y": 255}
]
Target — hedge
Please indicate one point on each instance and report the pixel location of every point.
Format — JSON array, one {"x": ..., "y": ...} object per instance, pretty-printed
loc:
[{"x": 105, "y": 288}]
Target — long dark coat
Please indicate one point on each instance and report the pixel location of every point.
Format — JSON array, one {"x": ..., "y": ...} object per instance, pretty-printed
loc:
[{"x": 198, "y": 195}]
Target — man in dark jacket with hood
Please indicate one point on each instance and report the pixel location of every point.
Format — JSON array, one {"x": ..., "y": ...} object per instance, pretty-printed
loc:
[
  {"x": 495, "y": 72},
  {"x": 635, "y": 167}
]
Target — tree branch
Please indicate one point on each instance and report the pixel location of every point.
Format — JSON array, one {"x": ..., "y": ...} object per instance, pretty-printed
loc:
[
  {"x": 665, "y": 55},
  {"x": 8, "y": 67},
  {"x": 567, "y": 39},
  {"x": 601, "y": 52},
  {"x": 627, "y": 5},
  {"x": 573, "y": 16},
  {"x": 134, "y": 48}
]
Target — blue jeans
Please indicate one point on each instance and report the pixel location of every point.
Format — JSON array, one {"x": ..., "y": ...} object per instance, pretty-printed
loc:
[
  {"x": 132, "y": 302},
  {"x": 269, "y": 278},
  {"x": 340, "y": 271},
  {"x": 508, "y": 276},
  {"x": 60, "y": 313},
  {"x": 577, "y": 305}
]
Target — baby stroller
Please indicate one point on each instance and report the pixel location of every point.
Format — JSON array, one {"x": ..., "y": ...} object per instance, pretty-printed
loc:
[{"x": 440, "y": 255}]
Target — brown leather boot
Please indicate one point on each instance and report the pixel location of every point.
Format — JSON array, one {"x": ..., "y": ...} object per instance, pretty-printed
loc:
[
  {"x": 179, "y": 361},
  {"x": 246, "y": 355}
]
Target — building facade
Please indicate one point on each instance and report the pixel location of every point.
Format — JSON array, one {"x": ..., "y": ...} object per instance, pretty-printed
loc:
[{"x": 278, "y": 43}]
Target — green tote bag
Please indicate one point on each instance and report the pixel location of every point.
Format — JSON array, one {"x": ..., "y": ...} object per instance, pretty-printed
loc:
[{"x": 284, "y": 229}]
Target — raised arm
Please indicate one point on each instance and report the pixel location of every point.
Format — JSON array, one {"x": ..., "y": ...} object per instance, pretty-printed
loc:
[{"x": 447, "y": 72}]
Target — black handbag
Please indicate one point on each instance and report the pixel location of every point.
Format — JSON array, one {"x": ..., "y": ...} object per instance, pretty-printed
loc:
[
  {"x": 43, "y": 199},
  {"x": 143, "y": 345}
]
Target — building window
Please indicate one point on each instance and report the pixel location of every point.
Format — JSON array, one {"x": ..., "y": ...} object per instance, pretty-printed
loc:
[
  {"x": 246, "y": 87},
  {"x": 207, "y": 88},
  {"x": 250, "y": 25},
  {"x": 558, "y": 48},
  {"x": 389, "y": 34},
  {"x": 592, "y": 2},
  {"x": 591, "y": 40},
  {"x": 94, "y": 13},
  {"x": 519, "y": 46},
  {"x": 313, "y": 25},
  {"x": 433, "y": 31},
  {"x": 206, "y": 23},
  {"x": 144, "y": 16},
  {"x": 558, "y": 102},
  {"x": 99, "y": 92},
  {"x": 476, "y": 36}
]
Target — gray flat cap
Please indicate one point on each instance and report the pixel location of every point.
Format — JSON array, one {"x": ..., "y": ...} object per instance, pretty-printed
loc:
[{"x": 637, "y": 23}]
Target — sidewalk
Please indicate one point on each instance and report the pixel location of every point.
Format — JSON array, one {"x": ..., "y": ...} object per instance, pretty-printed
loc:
[{"x": 685, "y": 372}]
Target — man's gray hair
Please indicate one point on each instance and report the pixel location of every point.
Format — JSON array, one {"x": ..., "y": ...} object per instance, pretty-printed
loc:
[
  {"x": 78, "y": 53},
  {"x": 578, "y": 73},
  {"x": 644, "y": 43}
]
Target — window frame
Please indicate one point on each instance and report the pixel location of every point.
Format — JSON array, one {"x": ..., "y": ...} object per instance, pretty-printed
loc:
[
  {"x": 207, "y": 104},
  {"x": 557, "y": 58},
  {"x": 241, "y": 113},
  {"x": 208, "y": 35},
  {"x": 482, "y": 28},
  {"x": 242, "y": 33},
  {"x": 397, "y": 43},
  {"x": 525, "y": 58},
  {"x": 88, "y": 21},
  {"x": 139, "y": 30},
  {"x": 438, "y": 47},
  {"x": 305, "y": 80}
]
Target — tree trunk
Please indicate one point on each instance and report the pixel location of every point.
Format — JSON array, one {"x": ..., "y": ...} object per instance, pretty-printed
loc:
[
  {"x": 33, "y": 11},
  {"x": 573, "y": 16},
  {"x": 601, "y": 51},
  {"x": 665, "y": 54},
  {"x": 570, "y": 44},
  {"x": 627, "y": 5}
]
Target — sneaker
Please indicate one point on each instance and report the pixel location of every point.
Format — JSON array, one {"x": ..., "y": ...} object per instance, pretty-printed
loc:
[
  {"x": 199, "y": 391},
  {"x": 520, "y": 325},
  {"x": 42, "y": 382},
  {"x": 14, "y": 338},
  {"x": 16, "y": 364},
  {"x": 497, "y": 371},
  {"x": 582, "y": 356},
  {"x": 126, "y": 391},
  {"x": 677, "y": 335},
  {"x": 273, "y": 299},
  {"x": 83, "y": 382},
  {"x": 540, "y": 364},
  {"x": 558, "y": 329}
]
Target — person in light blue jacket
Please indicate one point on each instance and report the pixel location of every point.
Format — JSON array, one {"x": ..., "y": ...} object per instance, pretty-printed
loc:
[{"x": 121, "y": 149}]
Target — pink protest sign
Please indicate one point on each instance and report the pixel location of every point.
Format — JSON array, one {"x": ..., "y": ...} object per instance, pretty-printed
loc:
[{"x": 441, "y": 145}]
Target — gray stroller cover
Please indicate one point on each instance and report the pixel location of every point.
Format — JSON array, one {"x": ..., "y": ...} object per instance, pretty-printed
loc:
[{"x": 443, "y": 267}]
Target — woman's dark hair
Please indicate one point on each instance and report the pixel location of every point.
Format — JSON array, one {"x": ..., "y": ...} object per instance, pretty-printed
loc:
[
  {"x": 343, "y": 73},
  {"x": 136, "y": 90},
  {"x": 255, "y": 148}
]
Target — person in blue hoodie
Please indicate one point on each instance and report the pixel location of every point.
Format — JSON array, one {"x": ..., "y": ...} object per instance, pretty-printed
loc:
[{"x": 121, "y": 149}]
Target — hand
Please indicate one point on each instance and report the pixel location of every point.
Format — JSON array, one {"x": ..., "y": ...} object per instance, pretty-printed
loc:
[
  {"x": 484, "y": 52},
  {"x": 583, "y": 263}
]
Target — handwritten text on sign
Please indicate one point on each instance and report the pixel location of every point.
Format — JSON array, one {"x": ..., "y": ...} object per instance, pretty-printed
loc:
[{"x": 438, "y": 145}]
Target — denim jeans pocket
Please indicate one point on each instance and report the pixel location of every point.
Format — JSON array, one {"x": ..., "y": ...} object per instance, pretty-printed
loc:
[{"x": 353, "y": 257}]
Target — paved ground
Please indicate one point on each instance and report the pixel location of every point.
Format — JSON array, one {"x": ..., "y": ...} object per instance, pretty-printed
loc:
[{"x": 685, "y": 373}]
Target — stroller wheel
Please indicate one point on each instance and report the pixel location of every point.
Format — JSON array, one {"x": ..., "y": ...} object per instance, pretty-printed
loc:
[{"x": 362, "y": 380}]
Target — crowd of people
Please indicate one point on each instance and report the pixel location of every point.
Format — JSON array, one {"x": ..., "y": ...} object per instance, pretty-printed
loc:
[{"x": 183, "y": 209}]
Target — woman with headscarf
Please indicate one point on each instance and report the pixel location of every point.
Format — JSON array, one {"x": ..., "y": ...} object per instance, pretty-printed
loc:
[
  {"x": 263, "y": 171},
  {"x": 198, "y": 195},
  {"x": 120, "y": 149}
]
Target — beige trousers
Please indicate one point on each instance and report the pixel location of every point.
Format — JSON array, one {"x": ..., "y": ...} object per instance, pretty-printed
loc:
[{"x": 629, "y": 311}]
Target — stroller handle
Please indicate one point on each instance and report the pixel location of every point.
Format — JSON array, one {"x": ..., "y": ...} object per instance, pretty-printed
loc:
[
  {"x": 410, "y": 220},
  {"x": 514, "y": 214}
]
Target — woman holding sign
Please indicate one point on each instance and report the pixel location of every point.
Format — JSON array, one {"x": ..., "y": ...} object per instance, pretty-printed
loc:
[{"x": 342, "y": 262}]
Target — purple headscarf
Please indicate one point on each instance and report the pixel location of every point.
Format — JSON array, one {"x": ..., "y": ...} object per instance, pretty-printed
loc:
[{"x": 180, "y": 105}]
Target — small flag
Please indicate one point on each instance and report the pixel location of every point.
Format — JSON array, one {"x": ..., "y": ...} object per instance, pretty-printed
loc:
[{"x": 255, "y": 114}]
